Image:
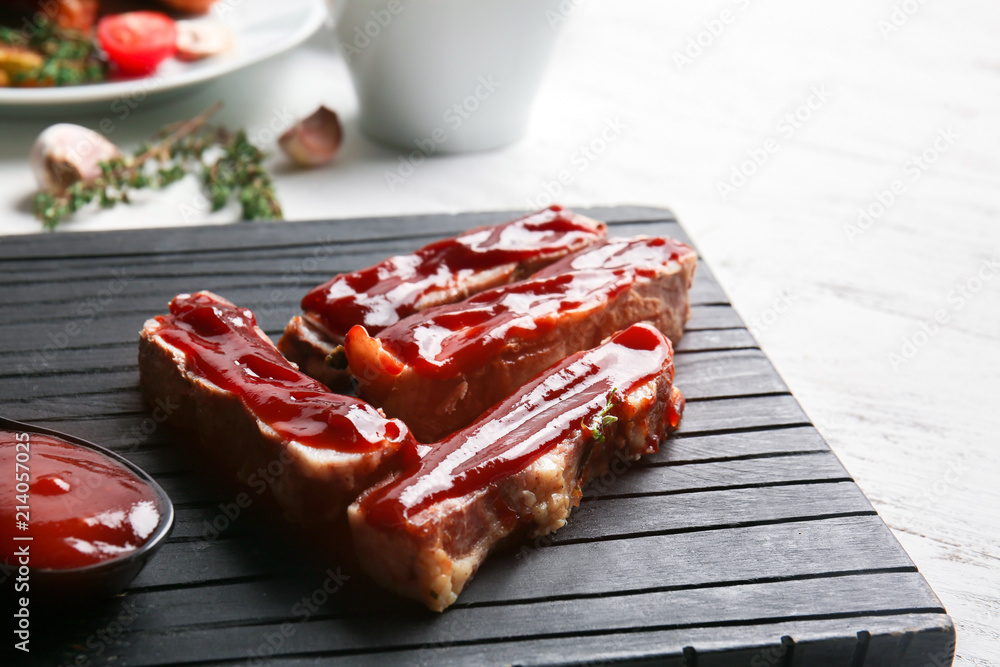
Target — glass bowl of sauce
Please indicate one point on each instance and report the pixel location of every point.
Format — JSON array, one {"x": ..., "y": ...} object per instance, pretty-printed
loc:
[{"x": 77, "y": 521}]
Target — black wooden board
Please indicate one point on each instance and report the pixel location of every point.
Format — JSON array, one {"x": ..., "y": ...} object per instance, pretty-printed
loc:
[{"x": 743, "y": 542}]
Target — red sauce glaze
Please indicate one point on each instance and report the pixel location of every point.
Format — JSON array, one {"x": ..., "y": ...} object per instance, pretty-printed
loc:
[
  {"x": 675, "y": 410},
  {"x": 222, "y": 345},
  {"x": 383, "y": 294},
  {"x": 637, "y": 253},
  {"x": 84, "y": 507},
  {"x": 444, "y": 341},
  {"x": 517, "y": 431}
]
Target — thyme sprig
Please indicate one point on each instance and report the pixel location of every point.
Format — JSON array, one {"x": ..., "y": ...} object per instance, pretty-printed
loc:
[
  {"x": 229, "y": 166},
  {"x": 602, "y": 418}
]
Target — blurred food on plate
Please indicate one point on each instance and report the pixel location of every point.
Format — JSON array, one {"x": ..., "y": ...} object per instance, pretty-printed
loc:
[
  {"x": 45, "y": 43},
  {"x": 83, "y": 14}
]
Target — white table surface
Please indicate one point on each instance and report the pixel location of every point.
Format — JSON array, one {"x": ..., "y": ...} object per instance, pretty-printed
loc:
[{"x": 921, "y": 438}]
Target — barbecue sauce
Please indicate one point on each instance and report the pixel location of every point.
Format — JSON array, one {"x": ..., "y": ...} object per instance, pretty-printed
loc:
[
  {"x": 449, "y": 340},
  {"x": 383, "y": 294},
  {"x": 553, "y": 408},
  {"x": 79, "y": 506},
  {"x": 222, "y": 346}
]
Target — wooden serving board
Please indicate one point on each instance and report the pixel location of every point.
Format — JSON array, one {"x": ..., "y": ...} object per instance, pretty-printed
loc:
[{"x": 743, "y": 542}]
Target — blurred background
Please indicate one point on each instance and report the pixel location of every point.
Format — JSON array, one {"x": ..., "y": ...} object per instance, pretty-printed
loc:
[{"x": 837, "y": 164}]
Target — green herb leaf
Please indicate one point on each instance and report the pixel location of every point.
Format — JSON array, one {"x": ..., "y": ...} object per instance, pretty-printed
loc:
[
  {"x": 602, "y": 419},
  {"x": 176, "y": 151}
]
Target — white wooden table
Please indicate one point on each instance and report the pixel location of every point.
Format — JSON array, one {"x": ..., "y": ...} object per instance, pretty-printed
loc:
[{"x": 768, "y": 143}]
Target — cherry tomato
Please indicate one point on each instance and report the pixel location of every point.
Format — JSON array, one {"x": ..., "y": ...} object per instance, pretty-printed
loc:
[{"x": 137, "y": 42}]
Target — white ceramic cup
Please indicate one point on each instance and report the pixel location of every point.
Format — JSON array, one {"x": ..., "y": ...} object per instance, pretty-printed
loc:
[{"x": 447, "y": 76}]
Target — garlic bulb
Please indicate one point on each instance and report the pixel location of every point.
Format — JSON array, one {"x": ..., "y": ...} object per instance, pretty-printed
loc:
[
  {"x": 65, "y": 154},
  {"x": 314, "y": 140}
]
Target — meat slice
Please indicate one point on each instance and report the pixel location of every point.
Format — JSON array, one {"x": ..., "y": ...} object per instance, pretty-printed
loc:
[
  {"x": 442, "y": 272},
  {"x": 424, "y": 532},
  {"x": 438, "y": 370},
  {"x": 213, "y": 371}
]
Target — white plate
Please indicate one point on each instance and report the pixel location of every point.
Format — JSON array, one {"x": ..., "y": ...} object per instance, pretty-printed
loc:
[{"x": 262, "y": 29}]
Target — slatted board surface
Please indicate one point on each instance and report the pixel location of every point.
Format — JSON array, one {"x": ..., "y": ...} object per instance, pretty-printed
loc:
[{"x": 743, "y": 542}]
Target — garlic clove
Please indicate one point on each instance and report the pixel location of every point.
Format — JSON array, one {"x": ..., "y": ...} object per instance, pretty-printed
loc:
[
  {"x": 65, "y": 154},
  {"x": 197, "y": 40},
  {"x": 314, "y": 140}
]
